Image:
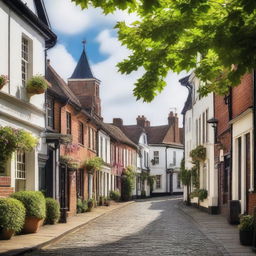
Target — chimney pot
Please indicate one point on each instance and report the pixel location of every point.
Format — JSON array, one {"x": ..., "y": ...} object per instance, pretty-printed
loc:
[{"x": 118, "y": 122}]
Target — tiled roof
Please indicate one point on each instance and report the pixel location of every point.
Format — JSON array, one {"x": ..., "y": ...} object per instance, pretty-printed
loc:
[
  {"x": 117, "y": 134},
  {"x": 133, "y": 132},
  {"x": 82, "y": 70},
  {"x": 156, "y": 134},
  {"x": 58, "y": 85}
]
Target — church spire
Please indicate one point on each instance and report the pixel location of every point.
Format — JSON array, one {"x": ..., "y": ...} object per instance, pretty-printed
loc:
[{"x": 82, "y": 70}]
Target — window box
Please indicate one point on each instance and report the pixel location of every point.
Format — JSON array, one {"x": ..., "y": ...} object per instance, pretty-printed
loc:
[{"x": 37, "y": 85}]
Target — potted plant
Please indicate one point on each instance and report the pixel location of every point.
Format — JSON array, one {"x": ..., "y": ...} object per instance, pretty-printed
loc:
[
  {"x": 12, "y": 140},
  {"x": 128, "y": 177},
  {"x": 12, "y": 217},
  {"x": 90, "y": 204},
  {"x": 3, "y": 81},
  {"x": 143, "y": 194},
  {"x": 198, "y": 154},
  {"x": 52, "y": 211},
  {"x": 37, "y": 85},
  {"x": 93, "y": 164},
  {"x": 107, "y": 201},
  {"x": 71, "y": 163},
  {"x": 246, "y": 229},
  {"x": 202, "y": 194},
  {"x": 34, "y": 203}
]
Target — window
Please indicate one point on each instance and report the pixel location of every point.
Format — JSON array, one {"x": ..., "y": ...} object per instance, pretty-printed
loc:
[
  {"x": 156, "y": 157},
  {"x": 68, "y": 124},
  {"x": 158, "y": 181},
  {"x": 92, "y": 139},
  {"x": 106, "y": 150},
  {"x": 203, "y": 122},
  {"x": 81, "y": 133},
  {"x": 20, "y": 174},
  {"x": 206, "y": 125},
  {"x": 174, "y": 157},
  {"x": 24, "y": 60},
  {"x": 50, "y": 112},
  {"x": 178, "y": 181},
  {"x": 239, "y": 165},
  {"x": 101, "y": 147}
]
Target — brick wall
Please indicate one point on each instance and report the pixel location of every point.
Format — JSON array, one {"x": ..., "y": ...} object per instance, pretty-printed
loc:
[
  {"x": 242, "y": 95},
  {"x": 80, "y": 154},
  {"x": 251, "y": 203},
  {"x": 5, "y": 186}
]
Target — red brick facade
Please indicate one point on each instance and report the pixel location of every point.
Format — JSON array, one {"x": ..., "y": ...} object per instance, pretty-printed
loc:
[{"x": 226, "y": 109}]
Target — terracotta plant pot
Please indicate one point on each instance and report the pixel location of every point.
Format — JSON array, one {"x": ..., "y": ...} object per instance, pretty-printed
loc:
[
  {"x": 246, "y": 237},
  {"x": 6, "y": 234},
  {"x": 32, "y": 225}
]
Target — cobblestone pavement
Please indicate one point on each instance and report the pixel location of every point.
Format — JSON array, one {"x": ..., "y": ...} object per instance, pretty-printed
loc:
[{"x": 148, "y": 227}]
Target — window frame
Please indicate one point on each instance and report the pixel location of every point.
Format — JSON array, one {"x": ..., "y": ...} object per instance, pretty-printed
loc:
[
  {"x": 81, "y": 133},
  {"x": 156, "y": 157},
  {"x": 158, "y": 182},
  {"x": 51, "y": 115},
  {"x": 68, "y": 123}
]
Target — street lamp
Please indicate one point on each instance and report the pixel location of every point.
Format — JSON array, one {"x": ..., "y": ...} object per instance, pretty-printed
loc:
[{"x": 214, "y": 122}]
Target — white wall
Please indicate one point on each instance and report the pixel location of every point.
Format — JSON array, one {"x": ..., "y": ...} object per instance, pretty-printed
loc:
[{"x": 16, "y": 108}]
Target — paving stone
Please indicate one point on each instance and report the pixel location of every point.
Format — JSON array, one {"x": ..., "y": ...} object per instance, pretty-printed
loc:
[{"x": 154, "y": 227}]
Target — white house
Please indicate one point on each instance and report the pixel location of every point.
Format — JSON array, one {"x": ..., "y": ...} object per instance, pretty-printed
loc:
[
  {"x": 106, "y": 180},
  {"x": 199, "y": 132},
  {"x": 25, "y": 37}
]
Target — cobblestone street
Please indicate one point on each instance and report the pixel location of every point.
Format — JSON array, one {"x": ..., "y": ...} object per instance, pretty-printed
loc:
[{"x": 147, "y": 227}]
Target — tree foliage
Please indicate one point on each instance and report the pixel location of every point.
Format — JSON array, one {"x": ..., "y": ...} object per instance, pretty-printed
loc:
[{"x": 214, "y": 38}]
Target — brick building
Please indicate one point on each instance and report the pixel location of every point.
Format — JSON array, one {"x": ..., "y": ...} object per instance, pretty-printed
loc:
[{"x": 72, "y": 133}]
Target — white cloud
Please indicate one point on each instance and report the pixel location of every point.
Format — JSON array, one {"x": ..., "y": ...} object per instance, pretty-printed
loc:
[
  {"x": 62, "y": 61},
  {"x": 70, "y": 19}
]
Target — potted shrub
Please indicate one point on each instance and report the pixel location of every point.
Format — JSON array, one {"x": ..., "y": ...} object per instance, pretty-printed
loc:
[
  {"x": 81, "y": 206},
  {"x": 52, "y": 211},
  {"x": 3, "y": 81},
  {"x": 246, "y": 229},
  {"x": 34, "y": 203},
  {"x": 202, "y": 194},
  {"x": 71, "y": 163},
  {"x": 90, "y": 204},
  {"x": 37, "y": 85},
  {"x": 12, "y": 217},
  {"x": 107, "y": 201},
  {"x": 115, "y": 195},
  {"x": 143, "y": 194}
]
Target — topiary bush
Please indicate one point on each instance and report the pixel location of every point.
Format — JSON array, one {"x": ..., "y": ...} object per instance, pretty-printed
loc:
[
  {"x": 90, "y": 204},
  {"x": 115, "y": 195},
  {"x": 12, "y": 214},
  {"x": 33, "y": 201},
  {"x": 52, "y": 211}
]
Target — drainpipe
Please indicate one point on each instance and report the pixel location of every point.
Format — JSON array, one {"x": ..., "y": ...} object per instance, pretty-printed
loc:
[
  {"x": 166, "y": 169},
  {"x": 9, "y": 51},
  {"x": 231, "y": 143}
]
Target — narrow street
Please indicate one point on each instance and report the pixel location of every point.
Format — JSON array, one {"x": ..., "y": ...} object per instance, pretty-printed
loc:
[{"x": 148, "y": 227}]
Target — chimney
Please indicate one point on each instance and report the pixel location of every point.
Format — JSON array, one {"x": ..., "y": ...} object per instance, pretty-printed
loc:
[
  {"x": 118, "y": 122},
  {"x": 147, "y": 123},
  {"x": 173, "y": 122},
  {"x": 141, "y": 121}
]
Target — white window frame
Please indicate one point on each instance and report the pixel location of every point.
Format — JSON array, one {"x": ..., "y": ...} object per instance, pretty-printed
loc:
[{"x": 158, "y": 181}]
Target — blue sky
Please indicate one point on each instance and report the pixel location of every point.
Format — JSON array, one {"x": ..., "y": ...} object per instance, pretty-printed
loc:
[{"x": 72, "y": 25}]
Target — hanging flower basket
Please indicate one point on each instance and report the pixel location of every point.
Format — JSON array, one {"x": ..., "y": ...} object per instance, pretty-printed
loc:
[
  {"x": 198, "y": 154},
  {"x": 3, "y": 81},
  {"x": 93, "y": 164},
  {"x": 37, "y": 85},
  {"x": 71, "y": 163}
]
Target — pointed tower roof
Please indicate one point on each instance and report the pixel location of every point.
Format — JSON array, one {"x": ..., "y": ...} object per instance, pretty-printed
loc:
[{"x": 82, "y": 70}]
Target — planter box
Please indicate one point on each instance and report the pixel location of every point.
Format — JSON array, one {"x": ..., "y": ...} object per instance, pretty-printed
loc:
[
  {"x": 246, "y": 237},
  {"x": 6, "y": 234},
  {"x": 32, "y": 225}
]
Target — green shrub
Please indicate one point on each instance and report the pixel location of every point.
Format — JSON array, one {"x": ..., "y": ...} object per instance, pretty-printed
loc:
[
  {"x": 115, "y": 195},
  {"x": 37, "y": 85},
  {"x": 81, "y": 206},
  {"x": 143, "y": 194},
  {"x": 246, "y": 223},
  {"x": 128, "y": 177},
  {"x": 12, "y": 214},
  {"x": 52, "y": 211},
  {"x": 202, "y": 194},
  {"x": 34, "y": 203}
]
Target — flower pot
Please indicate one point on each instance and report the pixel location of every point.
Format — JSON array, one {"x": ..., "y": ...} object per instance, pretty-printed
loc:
[
  {"x": 32, "y": 225},
  {"x": 246, "y": 237},
  {"x": 2, "y": 85},
  {"x": 6, "y": 234},
  {"x": 35, "y": 90}
]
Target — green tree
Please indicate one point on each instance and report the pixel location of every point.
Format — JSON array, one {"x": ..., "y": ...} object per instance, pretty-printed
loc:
[
  {"x": 185, "y": 177},
  {"x": 215, "y": 38}
]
